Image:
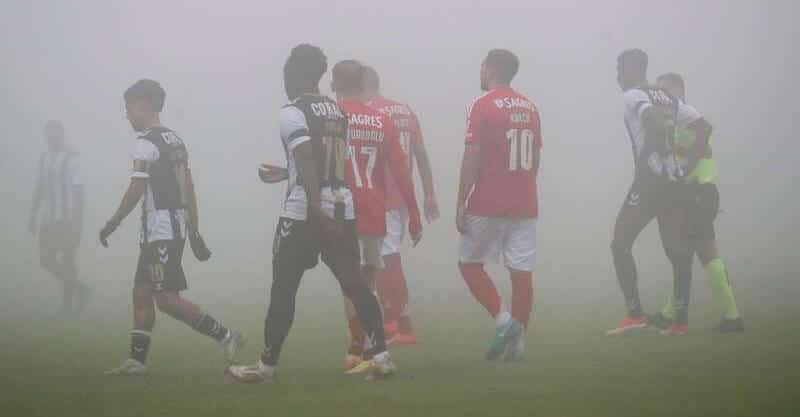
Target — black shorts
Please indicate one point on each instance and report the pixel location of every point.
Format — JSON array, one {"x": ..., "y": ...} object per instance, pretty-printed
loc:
[
  {"x": 160, "y": 267},
  {"x": 300, "y": 244},
  {"x": 703, "y": 208}
]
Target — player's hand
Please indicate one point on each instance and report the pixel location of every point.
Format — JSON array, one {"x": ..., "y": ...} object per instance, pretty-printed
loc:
[
  {"x": 416, "y": 238},
  {"x": 326, "y": 223},
  {"x": 272, "y": 174},
  {"x": 431, "y": 208},
  {"x": 461, "y": 219},
  {"x": 106, "y": 231}
]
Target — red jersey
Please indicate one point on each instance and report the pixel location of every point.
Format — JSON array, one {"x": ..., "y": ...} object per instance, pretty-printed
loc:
[
  {"x": 506, "y": 126},
  {"x": 410, "y": 135},
  {"x": 373, "y": 145}
]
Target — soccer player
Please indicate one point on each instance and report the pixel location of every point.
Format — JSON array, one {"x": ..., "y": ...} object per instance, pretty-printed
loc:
[
  {"x": 497, "y": 199},
  {"x": 703, "y": 186},
  {"x": 374, "y": 151},
  {"x": 392, "y": 288},
  {"x": 657, "y": 191},
  {"x": 318, "y": 217},
  {"x": 58, "y": 212},
  {"x": 162, "y": 180}
]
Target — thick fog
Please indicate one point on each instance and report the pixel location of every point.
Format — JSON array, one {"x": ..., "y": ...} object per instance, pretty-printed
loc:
[{"x": 221, "y": 65}]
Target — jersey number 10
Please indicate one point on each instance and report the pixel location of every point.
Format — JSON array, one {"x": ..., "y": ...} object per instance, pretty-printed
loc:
[{"x": 520, "y": 154}]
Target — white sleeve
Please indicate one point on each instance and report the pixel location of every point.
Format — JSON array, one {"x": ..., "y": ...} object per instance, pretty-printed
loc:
[
  {"x": 294, "y": 128},
  {"x": 636, "y": 101},
  {"x": 75, "y": 171},
  {"x": 687, "y": 114},
  {"x": 143, "y": 151}
]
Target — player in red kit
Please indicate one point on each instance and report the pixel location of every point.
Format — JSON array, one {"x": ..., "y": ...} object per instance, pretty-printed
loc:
[
  {"x": 497, "y": 199},
  {"x": 373, "y": 149},
  {"x": 391, "y": 283}
]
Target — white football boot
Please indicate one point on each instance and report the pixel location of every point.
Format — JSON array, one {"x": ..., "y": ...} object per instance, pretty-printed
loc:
[{"x": 131, "y": 367}]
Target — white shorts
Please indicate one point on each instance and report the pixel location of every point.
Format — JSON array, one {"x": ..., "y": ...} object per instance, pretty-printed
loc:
[
  {"x": 371, "y": 250},
  {"x": 396, "y": 221},
  {"x": 487, "y": 237}
]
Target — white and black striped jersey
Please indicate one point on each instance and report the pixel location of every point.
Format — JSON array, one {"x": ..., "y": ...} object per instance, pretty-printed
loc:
[
  {"x": 320, "y": 120},
  {"x": 57, "y": 176},
  {"x": 651, "y": 155},
  {"x": 164, "y": 159}
]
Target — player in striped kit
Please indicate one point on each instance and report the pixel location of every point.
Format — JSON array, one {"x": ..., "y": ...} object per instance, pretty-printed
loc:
[{"x": 57, "y": 213}]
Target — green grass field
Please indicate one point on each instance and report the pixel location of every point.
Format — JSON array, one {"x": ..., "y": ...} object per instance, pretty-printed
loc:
[{"x": 54, "y": 367}]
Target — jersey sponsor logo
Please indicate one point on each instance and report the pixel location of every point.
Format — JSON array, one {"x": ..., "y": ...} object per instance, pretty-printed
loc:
[
  {"x": 513, "y": 103},
  {"x": 325, "y": 109},
  {"x": 365, "y": 120},
  {"x": 395, "y": 110}
]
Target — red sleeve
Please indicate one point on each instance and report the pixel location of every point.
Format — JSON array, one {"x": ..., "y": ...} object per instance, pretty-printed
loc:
[
  {"x": 416, "y": 130},
  {"x": 538, "y": 126},
  {"x": 474, "y": 123},
  {"x": 398, "y": 163}
]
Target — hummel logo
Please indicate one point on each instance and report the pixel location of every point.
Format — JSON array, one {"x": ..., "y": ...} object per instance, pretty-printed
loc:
[
  {"x": 286, "y": 228},
  {"x": 633, "y": 199},
  {"x": 163, "y": 255},
  {"x": 138, "y": 349}
]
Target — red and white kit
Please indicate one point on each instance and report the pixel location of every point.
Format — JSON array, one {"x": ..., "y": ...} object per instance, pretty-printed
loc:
[
  {"x": 374, "y": 148},
  {"x": 409, "y": 135},
  {"x": 503, "y": 207}
]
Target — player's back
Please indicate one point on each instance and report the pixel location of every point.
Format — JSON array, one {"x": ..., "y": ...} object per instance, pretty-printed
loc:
[
  {"x": 371, "y": 137},
  {"x": 409, "y": 133},
  {"x": 506, "y": 126}
]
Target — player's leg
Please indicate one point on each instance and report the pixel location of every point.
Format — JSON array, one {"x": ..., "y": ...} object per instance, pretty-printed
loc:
[
  {"x": 399, "y": 327},
  {"x": 50, "y": 259},
  {"x": 520, "y": 258},
  {"x": 707, "y": 207},
  {"x": 673, "y": 225},
  {"x": 635, "y": 214},
  {"x": 479, "y": 245},
  {"x": 168, "y": 280},
  {"x": 371, "y": 266},
  {"x": 295, "y": 249},
  {"x": 341, "y": 254},
  {"x": 144, "y": 317}
]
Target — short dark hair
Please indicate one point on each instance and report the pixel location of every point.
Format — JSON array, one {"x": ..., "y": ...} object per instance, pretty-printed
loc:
[
  {"x": 304, "y": 68},
  {"x": 148, "y": 90},
  {"x": 633, "y": 61},
  {"x": 674, "y": 78},
  {"x": 372, "y": 80},
  {"x": 504, "y": 62},
  {"x": 348, "y": 76}
]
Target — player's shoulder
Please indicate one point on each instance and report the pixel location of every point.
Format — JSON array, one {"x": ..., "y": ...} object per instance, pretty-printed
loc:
[
  {"x": 391, "y": 107},
  {"x": 480, "y": 101}
]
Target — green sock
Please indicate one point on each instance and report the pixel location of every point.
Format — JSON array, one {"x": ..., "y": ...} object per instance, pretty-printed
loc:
[
  {"x": 668, "y": 311},
  {"x": 721, "y": 288}
]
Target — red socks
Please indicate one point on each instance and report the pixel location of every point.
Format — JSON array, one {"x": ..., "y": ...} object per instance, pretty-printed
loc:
[
  {"x": 521, "y": 296},
  {"x": 392, "y": 288},
  {"x": 481, "y": 286}
]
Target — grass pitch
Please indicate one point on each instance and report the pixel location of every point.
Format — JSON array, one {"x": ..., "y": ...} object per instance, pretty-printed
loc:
[{"x": 53, "y": 367}]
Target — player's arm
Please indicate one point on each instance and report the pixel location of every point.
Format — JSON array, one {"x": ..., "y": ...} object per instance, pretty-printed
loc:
[
  {"x": 537, "y": 146},
  {"x": 420, "y": 153},
  {"x": 78, "y": 199},
  {"x": 398, "y": 164},
  {"x": 272, "y": 174},
  {"x": 307, "y": 171},
  {"x": 191, "y": 202},
  {"x": 470, "y": 168},
  {"x": 36, "y": 203},
  {"x": 132, "y": 196},
  {"x": 143, "y": 155},
  {"x": 702, "y": 145},
  {"x": 470, "y": 163}
]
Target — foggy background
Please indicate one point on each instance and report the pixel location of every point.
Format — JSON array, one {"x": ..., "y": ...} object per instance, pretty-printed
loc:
[{"x": 221, "y": 65}]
